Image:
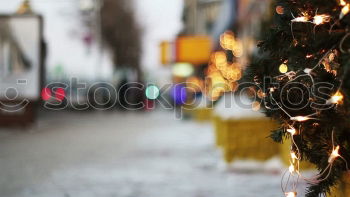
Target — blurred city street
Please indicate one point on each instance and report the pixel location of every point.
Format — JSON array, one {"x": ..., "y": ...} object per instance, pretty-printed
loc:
[
  {"x": 121, "y": 155},
  {"x": 174, "y": 98}
]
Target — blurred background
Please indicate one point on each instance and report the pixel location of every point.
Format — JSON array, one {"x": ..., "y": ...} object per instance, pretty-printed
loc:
[{"x": 131, "y": 98}]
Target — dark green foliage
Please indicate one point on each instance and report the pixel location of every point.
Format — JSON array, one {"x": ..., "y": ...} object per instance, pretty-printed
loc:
[
  {"x": 311, "y": 45},
  {"x": 278, "y": 135}
]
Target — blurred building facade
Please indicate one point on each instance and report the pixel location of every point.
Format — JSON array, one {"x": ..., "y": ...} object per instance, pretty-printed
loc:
[{"x": 200, "y": 16}]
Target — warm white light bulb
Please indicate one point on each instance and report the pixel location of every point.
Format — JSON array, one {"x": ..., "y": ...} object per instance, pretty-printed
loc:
[
  {"x": 307, "y": 70},
  {"x": 300, "y": 19},
  {"x": 293, "y": 156},
  {"x": 292, "y": 131},
  {"x": 291, "y": 168},
  {"x": 291, "y": 194},
  {"x": 300, "y": 118},
  {"x": 337, "y": 98},
  {"x": 342, "y": 3},
  {"x": 320, "y": 19},
  {"x": 344, "y": 11},
  {"x": 334, "y": 155}
]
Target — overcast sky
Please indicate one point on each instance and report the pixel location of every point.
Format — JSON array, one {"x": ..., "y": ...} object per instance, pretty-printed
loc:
[{"x": 159, "y": 19}]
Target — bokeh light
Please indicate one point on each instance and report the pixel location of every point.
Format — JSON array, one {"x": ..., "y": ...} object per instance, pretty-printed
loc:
[
  {"x": 46, "y": 94},
  {"x": 152, "y": 92},
  {"x": 283, "y": 68},
  {"x": 179, "y": 94},
  {"x": 183, "y": 69},
  {"x": 194, "y": 84},
  {"x": 60, "y": 94}
]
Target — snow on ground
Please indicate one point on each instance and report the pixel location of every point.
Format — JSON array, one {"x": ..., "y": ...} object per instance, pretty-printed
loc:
[
  {"x": 237, "y": 107},
  {"x": 114, "y": 154}
]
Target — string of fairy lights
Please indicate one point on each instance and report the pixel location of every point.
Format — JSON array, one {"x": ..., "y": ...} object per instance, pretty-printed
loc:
[
  {"x": 295, "y": 156},
  {"x": 221, "y": 71}
]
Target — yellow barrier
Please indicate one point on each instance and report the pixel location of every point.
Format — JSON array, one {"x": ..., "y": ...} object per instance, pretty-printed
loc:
[
  {"x": 202, "y": 114},
  {"x": 219, "y": 134},
  {"x": 245, "y": 139}
]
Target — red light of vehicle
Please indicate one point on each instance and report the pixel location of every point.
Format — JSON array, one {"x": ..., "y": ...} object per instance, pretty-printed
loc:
[
  {"x": 46, "y": 94},
  {"x": 60, "y": 94}
]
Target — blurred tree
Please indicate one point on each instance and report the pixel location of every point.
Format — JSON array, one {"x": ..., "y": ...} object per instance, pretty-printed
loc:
[{"x": 121, "y": 33}]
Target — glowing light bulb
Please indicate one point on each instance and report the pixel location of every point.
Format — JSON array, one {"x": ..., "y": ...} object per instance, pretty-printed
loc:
[
  {"x": 342, "y": 3},
  {"x": 283, "y": 68},
  {"x": 334, "y": 155},
  {"x": 320, "y": 19},
  {"x": 300, "y": 19},
  {"x": 293, "y": 156},
  {"x": 300, "y": 118},
  {"x": 344, "y": 11},
  {"x": 292, "y": 131},
  {"x": 309, "y": 56},
  {"x": 291, "y": 168},
  {"x": 291, "y": 194},
  {"x": 331, "y": 56},
  {"x": 307, "y": 70},
  {"x": 337, "y": 98}
]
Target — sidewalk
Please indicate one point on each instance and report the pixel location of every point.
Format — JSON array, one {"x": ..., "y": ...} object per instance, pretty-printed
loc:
[{"x": 121, "y": 155}]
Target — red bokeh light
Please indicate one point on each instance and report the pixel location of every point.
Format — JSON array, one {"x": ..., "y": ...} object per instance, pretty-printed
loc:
[
  {"x": 60, "y": 94},
  {"x": 46, "y": 94}
]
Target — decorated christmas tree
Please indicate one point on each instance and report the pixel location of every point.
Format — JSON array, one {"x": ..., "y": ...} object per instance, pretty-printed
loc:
[{"x": 301, "y": 76}]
